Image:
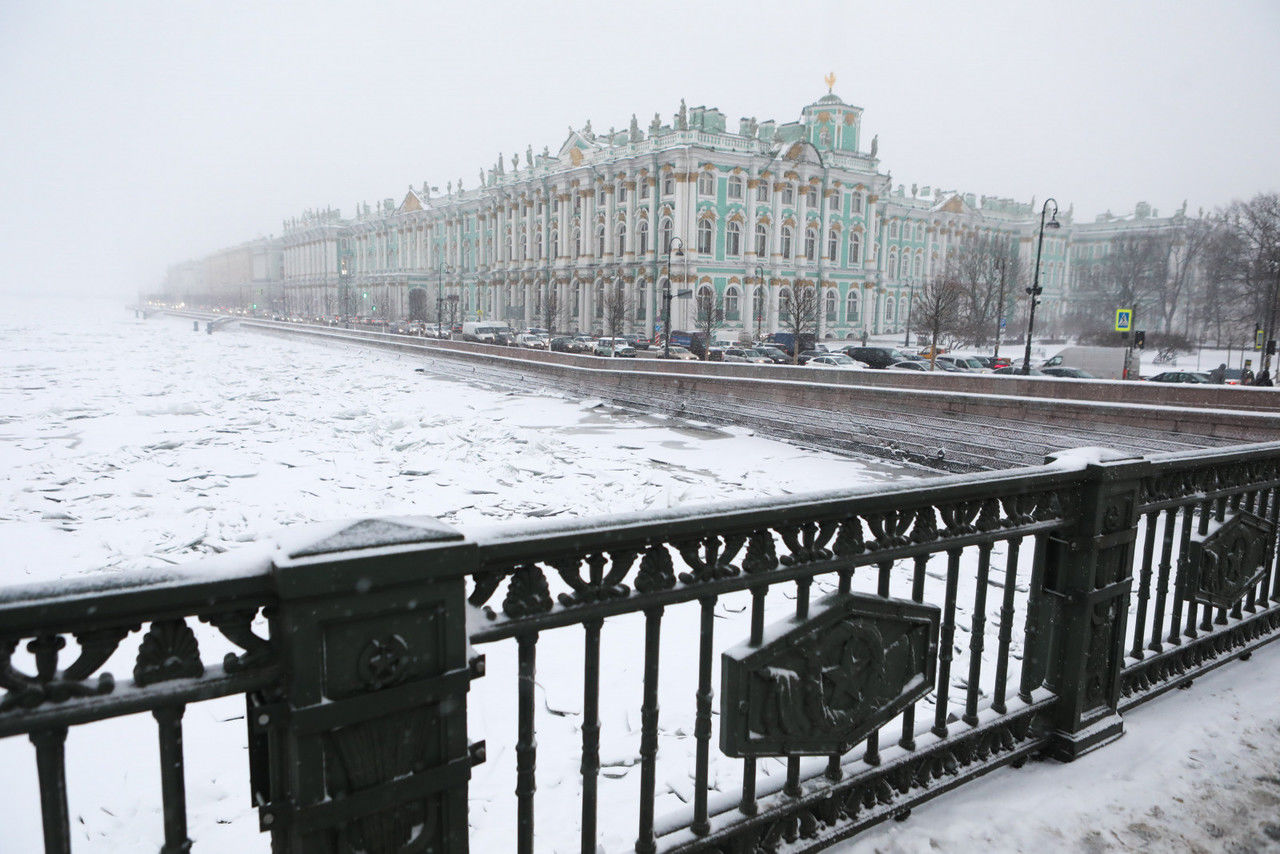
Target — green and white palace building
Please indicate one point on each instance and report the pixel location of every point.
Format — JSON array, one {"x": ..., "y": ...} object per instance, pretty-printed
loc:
[{"x": 759, "y": 209}]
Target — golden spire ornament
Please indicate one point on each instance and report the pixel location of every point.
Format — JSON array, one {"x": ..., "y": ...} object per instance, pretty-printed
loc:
[{"x": 830, "y": 80}]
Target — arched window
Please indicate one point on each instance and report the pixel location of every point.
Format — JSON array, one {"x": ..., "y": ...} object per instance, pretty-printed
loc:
[
  {"x": 577, "y": 300},
  {"x": 706, "y": 304},
  {"x": 855, "y": 248},
  {"x": 762, "y": 190},
  {"x": 919, "y": 264},
  {"x": 600, "y": 240},
  {"x": 523, "y": 244},
  {"x": 856, "y": 202},
  {"x": 832, "y": 244},
  {"x": 893, "y": 229},
  {"x": 732, "y": 312},
  {"x": 784, "y": 305},
  {"x": 762, "y": 239},
  {"x": 555, "y": 244},
  {"x": 735, "y": 187},
  {"x": 704, "y": 236},
  {"x": 664, "y": 232},
  {"x": 668, "y": 184},
  {"x": 642, "y": 300},
  {"x": 833, "y": 201},
  {"x": 810, "y": 244},
  {"x": 622, "y": 239},
  {"x": 888, "y": 310},
  {"x": 904, "y": 310},
  {"x": 600, "y": 196},
  {"x": 622, "y": 191},
  {"x": 642, "y": 237},
  {"x": 644, "y": 187},
  {"x": 788, "y": 194},
  {"x": 599, "y": 299},
  {"x": 786, "y": 241},
  {"x": 706, "y": 184},
  {"x": 757, "y": 305},
  {"x": 831, "y": 305},
  {"x": 892, "y": 269},
  {"x": 537, "y": 244},
  {"x": 811, "y": 198},
  {"x": 906, "y": 265},
  {"x": 733, "y": 239},
  {"x": 851, "y": 307}
]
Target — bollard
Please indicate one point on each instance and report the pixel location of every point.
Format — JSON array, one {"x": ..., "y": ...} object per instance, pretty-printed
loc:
[
  {"x": 208, "y": 326},
  {"x": 195, "y": 326}
]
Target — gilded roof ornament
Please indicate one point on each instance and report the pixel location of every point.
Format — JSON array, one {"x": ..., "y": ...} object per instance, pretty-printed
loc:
[{"x": 830, "y": 80}]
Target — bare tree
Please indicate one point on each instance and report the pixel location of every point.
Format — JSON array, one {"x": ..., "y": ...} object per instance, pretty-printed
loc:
[
  {"x": 615, "y": 309},
  {"x": 1133, "y": 273},
  {"x": 1258, "y": 223},
  {"x": 708, "y": 315},
  {"x": 938, "y": 309},
  {"x": 551, "y": 309},
  {"x": 987, "y": 271},
  {"x": 418, "y": 304},
  {"x": 798, "y": 314}
]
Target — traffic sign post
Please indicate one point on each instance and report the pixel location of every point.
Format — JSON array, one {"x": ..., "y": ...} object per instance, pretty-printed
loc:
[
  {"x": 1124, "y": 319},
  {"x": 1124, "y": 323}
]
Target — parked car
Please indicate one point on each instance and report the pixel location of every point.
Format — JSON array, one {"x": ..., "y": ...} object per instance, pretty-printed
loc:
[
  {"x": 909, "y": 365},
  {"x": 773, "y": 354},
  {"x": 993, "y": 362},
  {"x": 637, "y": 341},
  {"x": 564, "y": 344},
  {"x": 806, "y": 355},
  {"x": 959, "y": 363},
  {"x": 1016, "y": 370},
  {"x": 614, "y": 347},
  {"x": 743, "y": 354},
  {"x": 1180, "y": 377},
  {"x": 876, "y": 357},
  {"x": 836, "y": 361},
  {"x": 1068, "y": 372},
  {"x": 533, "y": 342},
  {"x": 678, "y": 352}
]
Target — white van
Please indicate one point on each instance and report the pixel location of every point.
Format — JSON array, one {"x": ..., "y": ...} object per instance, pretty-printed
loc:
[{"x": 483, "y": 331}]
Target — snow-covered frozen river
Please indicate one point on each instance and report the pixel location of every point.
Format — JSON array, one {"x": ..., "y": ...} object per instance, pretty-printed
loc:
[{"x": 130, "y": 443}]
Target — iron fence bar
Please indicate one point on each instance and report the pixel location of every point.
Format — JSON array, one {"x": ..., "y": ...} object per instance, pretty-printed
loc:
[
  {"x": 646, "y": 841},
  {"x": 871, "y": 755},
  {"x": 1032, "y": 645},
  {"x": 172, "y": 783},
  {"x": 1180, "y": 500},
  {"x": 1180, "y": 576},
  {"x": 748, "y": 804},
  {"x": 1162, "y": 582},
  {"x": 590, "y": 732},
  {"x": 702, "y": 718},
  {"x": 1273, "y": 504},
  {"x": 526, "y": 746},
  {"x": 1251, "y": 506},
  {"x": 976, "y": 639},
  {"x": 998, "y": 704},
  {"x": 1144, "y": 583},
  {"x": 1209, "y": 510},
  {"x": 834, "y": 766},
  {"x": 908, "y": 739},
  {"x": 946, "y": 644},
  {"x": 52, "y": 770}
]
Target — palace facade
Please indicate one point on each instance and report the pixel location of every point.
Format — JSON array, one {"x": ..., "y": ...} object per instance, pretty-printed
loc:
[{"x": 753, "y": 212}]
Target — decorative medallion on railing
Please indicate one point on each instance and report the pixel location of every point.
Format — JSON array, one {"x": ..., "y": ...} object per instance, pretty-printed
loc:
[
  {"x": 821, "y": 685},
  {"x": 1230, "y": 558}
]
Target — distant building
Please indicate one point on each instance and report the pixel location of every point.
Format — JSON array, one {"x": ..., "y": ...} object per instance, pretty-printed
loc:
[
  {"x": 249, "y": 275},
  {"x": 759, "y": 210}
]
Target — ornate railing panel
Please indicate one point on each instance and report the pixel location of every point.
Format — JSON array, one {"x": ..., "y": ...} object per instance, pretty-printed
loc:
[{"x": 873, "y": 648}]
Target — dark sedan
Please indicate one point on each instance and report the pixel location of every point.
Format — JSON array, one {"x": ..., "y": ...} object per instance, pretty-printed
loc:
[{"x": 1180, "y": 377}]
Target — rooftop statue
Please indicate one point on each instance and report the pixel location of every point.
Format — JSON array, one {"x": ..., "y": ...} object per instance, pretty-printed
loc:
[
  {"x": 635, "y": 129},
  {"x": 682, "y": 117},
  {"x": 655, "y": 126},
  {"x": 528, "y": 156},
  {"x": 875, "y": 144}
]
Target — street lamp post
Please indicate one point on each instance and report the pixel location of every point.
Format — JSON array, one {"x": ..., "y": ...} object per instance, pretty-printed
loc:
[
  {"x": 675, "y": 249},
  {"x": 1035, "y": 290},
  {"x": 911, "y": 302},
  {"x": 759, "y": 289}
]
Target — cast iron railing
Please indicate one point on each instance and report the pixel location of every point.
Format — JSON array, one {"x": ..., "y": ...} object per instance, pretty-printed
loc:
[{"x": 849, "y": 667}]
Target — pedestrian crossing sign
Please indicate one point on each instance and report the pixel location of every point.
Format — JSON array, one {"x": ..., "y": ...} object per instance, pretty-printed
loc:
[{"x": 1124, "y": 319}]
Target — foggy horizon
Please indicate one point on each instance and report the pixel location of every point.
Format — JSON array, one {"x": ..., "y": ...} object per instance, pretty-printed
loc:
[{"x": 145, "y": 135}]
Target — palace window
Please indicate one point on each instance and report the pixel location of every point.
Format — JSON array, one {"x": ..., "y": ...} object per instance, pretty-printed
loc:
[
  {"x": 622, "y": 191},
  {"x": 893, "y": 229},
  {"x": 555, "y": 244},
  {"x": 642, "y": 237},
  {"x": 537, "y": 245},
  {"x": 784, "y": 305},
  {"x": 577, "y": 203},
  {"x": 892, "y": 267},
  {"x": 600, "y": 196},
  {"x": 833, "y": 201},
  {"x": 668, "y": 184},
  {"x": 906, "y": 266},
  {"x": 735, "y": 187},
  {"x": 704, "y": 237},
  {"x": 856, "y": 202},
  {"x": 706, "y": 304},
  {"x": 762, "y": 239},
  {"x": 733, "y": 239},
  {"x": 851, "y": 307},
  {"x": 577, "y": 243},
  {"x": 904, "y": 310},
  {"x": 811, "y": 197},
  {"x": 830, "y": 305},
  {"x": 706, "y": 184},
  {"x": 599, "y": 308},
  {"x": 600, "y": 249},
  {"x": 664, "y": 233},
  {"x": 832, "y": 245},
  {"x": 642, "y": 300},
  {"x": 788, "y": 194},
  {"x": 757, "y": 305},
  {"x": 786, "y": 241},
  {"x": 731, "y": 310},
  {"x": 762, "y": 190},
  {"x": 919, "y": 264},
  {"x": 855, "y": 248},
  {"x": 622, "y": 240},
  {"x": 888, "y": 311},
  {"x": 810, "y": 244}
]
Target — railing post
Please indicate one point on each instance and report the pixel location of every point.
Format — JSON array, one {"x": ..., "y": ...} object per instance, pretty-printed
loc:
[
  {"x": 1087, "y": 578},
  {"x": 368, "y": 745}
]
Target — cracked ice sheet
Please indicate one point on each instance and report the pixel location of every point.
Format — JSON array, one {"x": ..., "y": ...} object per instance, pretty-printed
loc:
[{"x": 129, "y": 444}]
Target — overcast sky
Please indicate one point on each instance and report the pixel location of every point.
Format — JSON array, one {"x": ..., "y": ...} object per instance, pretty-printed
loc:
[{"x": 135, "y": 135}]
